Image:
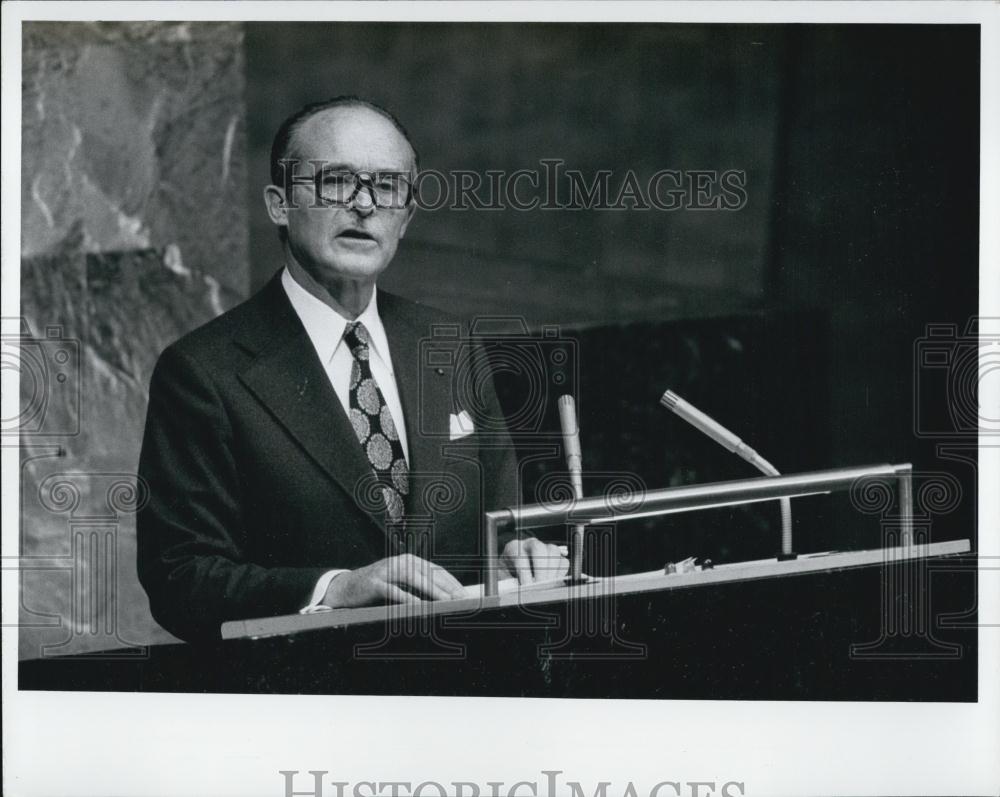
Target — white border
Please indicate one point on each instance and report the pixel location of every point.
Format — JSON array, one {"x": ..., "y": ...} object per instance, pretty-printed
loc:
[{"x": 71, "y": 743}]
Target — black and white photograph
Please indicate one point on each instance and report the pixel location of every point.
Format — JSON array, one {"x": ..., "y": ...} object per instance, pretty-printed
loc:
[{"x": 500, "y": 399}]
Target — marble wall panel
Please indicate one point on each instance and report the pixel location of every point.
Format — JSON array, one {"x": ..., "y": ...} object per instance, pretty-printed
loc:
[
  {"x": 134, "y": 232},
  {"x": 133, "y": 137}
]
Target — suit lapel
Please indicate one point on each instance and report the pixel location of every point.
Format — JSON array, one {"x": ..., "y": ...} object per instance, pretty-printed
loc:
[
  {"x": 425, "y": 394},
  {"x": 287, "y": 377}
]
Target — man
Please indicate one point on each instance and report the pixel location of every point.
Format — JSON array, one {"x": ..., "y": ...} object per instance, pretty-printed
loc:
[{"x": 294, "y": 452}]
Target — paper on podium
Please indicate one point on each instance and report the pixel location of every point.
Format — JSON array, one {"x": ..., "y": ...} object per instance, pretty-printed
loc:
[{"x": 506, "y": 585}]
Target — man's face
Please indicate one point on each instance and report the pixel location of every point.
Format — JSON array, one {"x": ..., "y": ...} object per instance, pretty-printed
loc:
[{"x": 331, "y": 243}]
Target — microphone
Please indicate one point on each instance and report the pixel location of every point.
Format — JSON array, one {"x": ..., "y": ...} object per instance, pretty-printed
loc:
[
  {"x": 571, "y": 442},
  {"x": 721, "y": 435},
  {"x": 574, "y": 464}
]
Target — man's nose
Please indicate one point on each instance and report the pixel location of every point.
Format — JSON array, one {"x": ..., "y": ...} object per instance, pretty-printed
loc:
[{"x": 363, "y": 201}]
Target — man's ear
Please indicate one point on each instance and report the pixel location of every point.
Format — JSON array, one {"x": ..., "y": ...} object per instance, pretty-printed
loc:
[{"x": 277, "y": 209}]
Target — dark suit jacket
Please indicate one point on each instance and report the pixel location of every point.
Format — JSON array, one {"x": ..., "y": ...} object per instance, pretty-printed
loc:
[{"x": 257, "y": 483}]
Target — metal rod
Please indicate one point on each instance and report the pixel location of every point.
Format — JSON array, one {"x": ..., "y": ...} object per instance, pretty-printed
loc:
[
  {"x": 493, "y": 519},
  {"x": 671, "y": 499},
  {"x": 611, "y": 507},
  {"x": 905, "y": 473},
  {"x": 576, "y": 553}
]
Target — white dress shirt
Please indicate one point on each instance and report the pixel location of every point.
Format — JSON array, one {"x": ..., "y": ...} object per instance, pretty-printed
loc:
[{"x": 325, "y": 328}]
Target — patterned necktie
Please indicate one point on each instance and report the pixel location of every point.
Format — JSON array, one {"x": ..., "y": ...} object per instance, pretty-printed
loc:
[{"x": 373, "y": 425}]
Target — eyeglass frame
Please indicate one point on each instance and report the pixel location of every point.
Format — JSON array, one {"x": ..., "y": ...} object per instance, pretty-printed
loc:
[{"x": 364, "y": 178}]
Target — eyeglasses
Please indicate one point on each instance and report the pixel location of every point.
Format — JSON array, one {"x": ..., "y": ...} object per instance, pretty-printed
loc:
[{"x": 387, "y": 189}]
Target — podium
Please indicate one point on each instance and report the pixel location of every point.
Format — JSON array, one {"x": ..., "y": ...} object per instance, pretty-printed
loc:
[{"x": 832, "y": 625}]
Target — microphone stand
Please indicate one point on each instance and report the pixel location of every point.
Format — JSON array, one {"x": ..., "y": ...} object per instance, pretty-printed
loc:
[
  {"x": 574, "y": 464},
  {"x": 721, "y": 435}
]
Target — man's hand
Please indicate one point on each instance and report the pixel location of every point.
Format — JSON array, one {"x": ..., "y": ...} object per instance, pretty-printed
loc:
[
  {"x": 398, "y": 579},
  {"x": 533, "y": 560}
]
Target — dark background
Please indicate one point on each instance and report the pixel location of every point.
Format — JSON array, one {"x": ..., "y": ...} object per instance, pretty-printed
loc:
[{"x": 860, "y": 145}]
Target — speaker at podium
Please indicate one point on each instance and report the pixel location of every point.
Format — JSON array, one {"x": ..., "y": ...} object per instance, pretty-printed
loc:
[{"x": 690, "y": 575}]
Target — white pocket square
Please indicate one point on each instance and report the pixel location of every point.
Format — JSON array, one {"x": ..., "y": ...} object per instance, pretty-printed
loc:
[{"x": 460, "y": 425}]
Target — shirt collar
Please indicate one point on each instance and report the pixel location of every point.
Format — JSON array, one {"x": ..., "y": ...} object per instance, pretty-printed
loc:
[{"x": 325, "y": 326}]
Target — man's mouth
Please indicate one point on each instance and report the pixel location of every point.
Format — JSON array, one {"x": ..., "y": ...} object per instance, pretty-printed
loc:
[{"x": 356, "y": 235}]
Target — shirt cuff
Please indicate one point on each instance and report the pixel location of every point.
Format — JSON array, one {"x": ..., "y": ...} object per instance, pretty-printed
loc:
[{"x": 319, "y": 592}]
